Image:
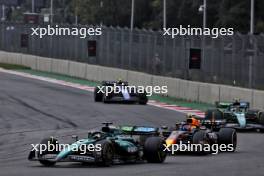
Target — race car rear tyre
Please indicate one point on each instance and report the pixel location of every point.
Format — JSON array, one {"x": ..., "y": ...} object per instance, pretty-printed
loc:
[
  {"x": 261, "y": 118},
  {"x": 261, "y": 121},
  {"x": 143, "y": 99},
  {"x": 98, "y": 96},
  {"x": 216, "y": 112},
  {"x": 48, "y": 141},
  {"x": 107, "y": 153},
  {"x": 228, "y": 136},
  {"x": 105, "y": 99},
  {"x": 154, "y": 150},
  {"x": 200, "y": 137}
]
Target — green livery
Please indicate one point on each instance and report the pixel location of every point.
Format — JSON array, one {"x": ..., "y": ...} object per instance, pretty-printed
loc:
[
  {"x": 234, "y": 115},
  {"x": 105, "y": 147}
]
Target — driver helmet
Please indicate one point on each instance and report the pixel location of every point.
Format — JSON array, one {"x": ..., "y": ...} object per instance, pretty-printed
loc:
[
  {"x": 236, "y": 102},
  {"x": 193, "y": 122},
  {"x": 189, "y": 115},
  {"x": 120, "y": 81}
]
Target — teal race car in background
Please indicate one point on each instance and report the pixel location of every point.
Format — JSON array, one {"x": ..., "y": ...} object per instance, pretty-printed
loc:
[
  {"x": 236, "y": 115},
  {"x": 108, "y": 146}
]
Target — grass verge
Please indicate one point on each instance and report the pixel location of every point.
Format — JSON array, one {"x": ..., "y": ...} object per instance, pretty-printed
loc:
[{"x": 13, "y": 67}]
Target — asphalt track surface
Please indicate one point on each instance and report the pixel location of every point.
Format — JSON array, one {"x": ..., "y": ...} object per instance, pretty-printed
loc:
[{"x": 32, "y": 109}]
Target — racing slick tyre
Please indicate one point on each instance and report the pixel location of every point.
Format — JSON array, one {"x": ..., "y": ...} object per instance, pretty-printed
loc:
[
  {"x": 253, "y": 115},
  {"x": 154, "y": 150},
  {"x": 228, "y": 136},
  {"x": 261, "y": 121},
  {"x": 98, "y": 96},
  {"x": 46, "y": 142},
  {"x": 143, "y": 99},
  {"x": 200, "y": 137},
  {"x": 252, "y": 112},
  {"x": 105, "y": 99},
  {"x": 212, "y": 115},
  {"x": 216, "y": 112},
  {"x": 107, "y": 153},
  {"x": 261, "y": 118}
]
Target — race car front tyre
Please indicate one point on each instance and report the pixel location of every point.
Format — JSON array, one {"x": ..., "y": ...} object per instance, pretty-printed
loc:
[
  {"x": 106, "y": 155},
  {"x": 228, "y": 136},
  {"x": 47, "y": 142},
  {"x": 98, "y": 96},
  {"x": 200, "y": 137},
  {"x": 154, "y": 150}
]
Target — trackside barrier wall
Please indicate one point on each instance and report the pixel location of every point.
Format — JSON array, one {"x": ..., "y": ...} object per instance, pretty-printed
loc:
[
  {"x": 92, "y": 72},
  {"x": 44, "y": 64},
  {"x": 3, "y": 57},
  {"x": 188, "y": 90},
  {"x": 107, "y": 73},
  {"x": 14, "y": 58},
  {"x": 258, "y": 99},
  {"x": 77, "y": 69},
  {"x": 138, "y": 79},
  {"x": 60, "y": 66},
  {"x": 29, "y": 61}
]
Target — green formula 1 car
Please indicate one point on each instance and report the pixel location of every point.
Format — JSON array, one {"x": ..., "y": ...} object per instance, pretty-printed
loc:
[
  {"x": 105, "y": 147},
  {"x": 236, "y": 115}
]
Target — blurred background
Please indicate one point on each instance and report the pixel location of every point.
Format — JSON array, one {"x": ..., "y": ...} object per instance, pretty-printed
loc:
[
  {"x": 147, "y": 13},
  {"x": 132, "y": 36}
]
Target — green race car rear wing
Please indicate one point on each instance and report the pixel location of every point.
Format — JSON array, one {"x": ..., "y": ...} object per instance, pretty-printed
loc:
[
  {"x": 139, "y": 130},
  {"x": 223, "y": 105}
]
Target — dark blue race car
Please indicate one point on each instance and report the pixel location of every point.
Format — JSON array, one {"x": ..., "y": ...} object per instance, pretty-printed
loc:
[{"x": 119, "y": 91}]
